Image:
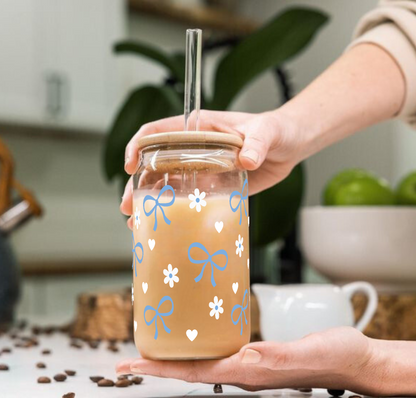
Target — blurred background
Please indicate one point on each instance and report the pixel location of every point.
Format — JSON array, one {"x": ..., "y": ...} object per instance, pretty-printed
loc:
[{"x": 61, "y": 88}]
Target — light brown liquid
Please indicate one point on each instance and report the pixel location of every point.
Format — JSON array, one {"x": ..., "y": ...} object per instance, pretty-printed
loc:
[{"x": 213, "y": 338}]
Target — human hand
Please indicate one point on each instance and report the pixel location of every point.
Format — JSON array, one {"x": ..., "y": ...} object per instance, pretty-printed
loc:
[
  {"x": 270, "y": 151},
  {"x": 340, "y": 358}
]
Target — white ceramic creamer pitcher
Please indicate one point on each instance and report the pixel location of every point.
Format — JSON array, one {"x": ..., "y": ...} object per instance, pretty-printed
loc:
[{"x": 291, "y": 312}]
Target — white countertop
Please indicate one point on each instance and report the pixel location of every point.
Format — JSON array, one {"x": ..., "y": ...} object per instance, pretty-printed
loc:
[{"x": 21, "y": 380}]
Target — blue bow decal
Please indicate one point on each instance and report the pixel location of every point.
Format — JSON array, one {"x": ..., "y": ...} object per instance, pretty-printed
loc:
[
  {"x": 135, "y": 256},
  {"x": 243, "y": 199},
  {"x": 158, "y": 314},
  {"x": 160, "y": 205},
  {"x": 242, "y": 312},
  {"x": 207, "y": 260}
]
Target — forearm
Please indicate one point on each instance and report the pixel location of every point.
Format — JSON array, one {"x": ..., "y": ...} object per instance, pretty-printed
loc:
[{"x": 363, "y": 87}]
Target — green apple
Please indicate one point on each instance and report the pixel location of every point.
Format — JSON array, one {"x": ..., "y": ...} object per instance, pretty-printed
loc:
[
  {"x": 331, "y": 188},
  {"x": 406, "y": 190},
  {"x": 365, "y": 191}
]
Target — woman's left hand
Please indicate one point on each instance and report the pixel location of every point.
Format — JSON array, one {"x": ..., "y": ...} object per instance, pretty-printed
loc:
[{"x": 341, "y": 358}]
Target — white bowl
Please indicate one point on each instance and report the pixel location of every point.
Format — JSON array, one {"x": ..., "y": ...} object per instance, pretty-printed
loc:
[{"x": 374, "y": 244}]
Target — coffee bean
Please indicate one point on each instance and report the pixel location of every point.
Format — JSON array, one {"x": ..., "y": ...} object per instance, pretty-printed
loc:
[
  {"x": 105, "y": 383},
  {"x": 69, "y": 395},
  {"x": 6, "y": 350},
  {"x": 70, "y": 372},
  {"x": 60, "y": 377},
  {"x": 94, "y": 344},
  {"x": 31, "y": 341},
  {"x": 137, "y": 379},
  {"x": 355, "y": 396},
  {"x": 218, "y": 389},
  {"x": 13, "y": 336},
  {"x": 40, "y": 365},
  {"x": 336, "y": 393},
  {"x": 112, "y": 341},
  {"x": 24, "y": 344},
  {"x": 46, "y": 352},
  {"x": 49, "y": 330},
  {"x": 112, "y": 348},
  {"x": 96, "y": 379},
  {"x": 36, "y": 330},
  {"x": 44, "y": 380},
  {"x": 76, "y": 344},
  {"x": 65, "y": 328},
  {"x": 123, "y": 383},
  {"x": 3, "y": 366},
  {"x": 305, "y": 390}
]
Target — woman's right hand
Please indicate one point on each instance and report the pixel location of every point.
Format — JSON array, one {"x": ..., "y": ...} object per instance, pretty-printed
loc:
[{"x": 272, "y": 146}]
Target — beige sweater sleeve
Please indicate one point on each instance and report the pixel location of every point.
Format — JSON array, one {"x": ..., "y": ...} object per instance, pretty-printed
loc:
[{"x": 392, "y": 26}]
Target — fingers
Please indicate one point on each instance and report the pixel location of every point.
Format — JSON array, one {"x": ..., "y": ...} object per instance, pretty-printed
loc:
[
  {"x": 260, "y": 133},
  {"x": 208, "y": 120},
  {"x": 126, "y": 206},
  {"x": 257, "y": 364},
  {"x": 269, "y": 355},
  {"x": 123, "y": 367},
  {"x": 210, "y": 371},
  {"x": 306, "y": 353},
  {"x": 131, "y": 158}
]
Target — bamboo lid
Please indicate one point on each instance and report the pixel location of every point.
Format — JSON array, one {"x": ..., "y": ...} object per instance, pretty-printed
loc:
[{"x": 190, "y": 137}]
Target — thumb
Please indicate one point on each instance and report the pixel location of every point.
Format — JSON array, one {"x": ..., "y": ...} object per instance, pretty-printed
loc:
[
  {"x": 269, "y": 354},
  {"x": 259, "y": 135}
]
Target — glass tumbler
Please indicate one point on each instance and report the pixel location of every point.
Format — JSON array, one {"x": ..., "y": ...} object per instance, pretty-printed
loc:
[{"x": 191, "y": 289}]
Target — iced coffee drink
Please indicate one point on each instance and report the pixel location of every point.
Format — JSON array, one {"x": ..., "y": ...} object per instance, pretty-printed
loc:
[{"x": 191, "y": 253}]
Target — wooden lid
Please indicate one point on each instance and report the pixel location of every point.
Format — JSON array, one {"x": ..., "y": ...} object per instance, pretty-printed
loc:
[{"x": 190, "y": 137}]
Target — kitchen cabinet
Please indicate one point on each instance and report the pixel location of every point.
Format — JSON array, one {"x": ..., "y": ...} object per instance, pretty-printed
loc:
[{"x": 57, "y": 67}]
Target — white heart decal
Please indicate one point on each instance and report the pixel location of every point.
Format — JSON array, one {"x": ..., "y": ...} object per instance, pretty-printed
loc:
[
  {"x": 135, "y": 326},
  {"x": 144, "y": 287},
  {"x": 248, "y": 263},
  {"x": 191, "y": 334},
  {"x": 151, "y": 243},
  {"x": 218, "y": 226},
  {"x": 235, "y": 287}
]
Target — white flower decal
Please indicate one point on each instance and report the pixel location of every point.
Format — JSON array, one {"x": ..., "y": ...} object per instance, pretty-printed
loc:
[
  {"x": 239, "y": 244},
  {"x": 197, "y": 200},
  {"x": 216, "y": 308},
  {"x": 170, "y": 274},
  {"x": 137, "y": 218}
]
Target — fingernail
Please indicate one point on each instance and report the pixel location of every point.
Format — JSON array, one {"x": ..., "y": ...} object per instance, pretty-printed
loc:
[
  {"x": 251, "y": 154},
  {"x": 136, "y": 370},
  {"x": 126, "y": 160},
  {"x": 251, "y": 356}
]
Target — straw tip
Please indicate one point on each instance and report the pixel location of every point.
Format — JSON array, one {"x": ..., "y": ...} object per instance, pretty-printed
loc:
[{"x": 194, "y": 30}]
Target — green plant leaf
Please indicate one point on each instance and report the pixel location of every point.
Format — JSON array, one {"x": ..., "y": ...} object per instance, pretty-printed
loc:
[
  {"x": 279, "y": 40},
  {"x": 143, "y": 105},
  {"x": 273, "y": 211},
  {"x": 171, "y": 63}
]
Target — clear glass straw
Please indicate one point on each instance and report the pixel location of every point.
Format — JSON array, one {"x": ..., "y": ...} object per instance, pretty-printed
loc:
[{"x": 192, "y": 100}]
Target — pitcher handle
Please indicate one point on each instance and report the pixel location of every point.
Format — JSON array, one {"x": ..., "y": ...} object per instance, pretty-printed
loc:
[{"x": 366, "y": 288}]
